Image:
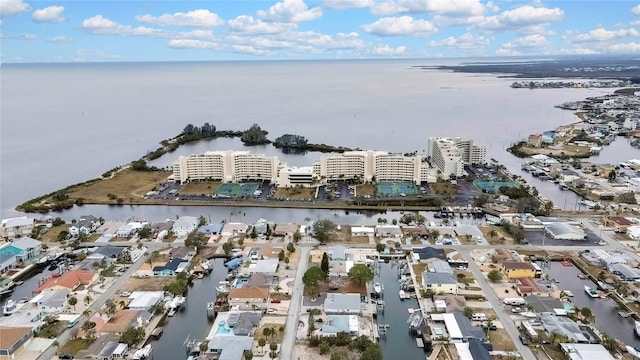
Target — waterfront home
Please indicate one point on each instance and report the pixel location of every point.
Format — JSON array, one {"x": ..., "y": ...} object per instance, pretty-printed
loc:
[
  {"x": 563, "y": 326},
  {"x": 528, "y": 286},
  {"x": 24, "y": 316},
  {"x": 618, "y": 223},
  {"x": 534, "y": 140},
  {"x": 233, "y": 229},
  {"x": 388, "y": 231},
  {"x": 344, "y": 304},
  {"x": 625, "y": 272},
  {"x": 564, "y": 231},
  {"x": 472, "y": 349},
  {"x": 544, "y": 305},
  {"x": 210, "y": 229},
  {"x": 338, "y": 253},
  {"x": 249, "y": 298},
  {"x": 18, "y": 226},
  {"x": 244, "y": 323},
  {"x": 126, "y": 318},
  {"x": 440, "y": 283},
  {"x": 585, "y": 351},
  {"x": 439, "y": 266},
  {"x": 267, "y": 267},
  {"x": 427, "y": 253},
  {"x": 363, "y": 231},
  {"x": 144, "y": 300},
  {"x": 184, "y": 225},
  {"x": 268, "y": 252},
  {"x": 51, "y": 301},
  {"x": 22, "y": 249},
  {"x": 70, "y": 280},
  {"x": 261, "y": 280},
  {"x": 518, "y": 269},
  {"x": 459, "y": 327},
  {"x": 171, "y": 268},
  {"x": 340, "y": 323},
  {"x": 230, "y": 347},
  {"x": 127, "y": 230},
  {"x": 105, "y": 347},
  {"x": 86, "y": 225},
  {"x": 286, "y": 230},
  {"x": 260, "y": 227},
  {"x": 12, "y": 339},
  {"x": 340, "y": 268}
]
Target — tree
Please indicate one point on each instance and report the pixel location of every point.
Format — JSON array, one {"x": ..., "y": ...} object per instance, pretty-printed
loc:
[
  {"x": 145, "y": 232},
  {"x": 110, "y": 306},
  {"x": 248, "y": 355},
  {"x": 324, "y": 347},
  {"x": 281, "y": 255},
  {"x": 335, "y": 356},
  {"x": 587, "y": 314},
  {"x": 494, "y": 275},
  {"x": 324, "y": 229},
  {"x": 197, "y": 240},
  {"x": 434, "y": 234},
  {"x": 313, "y": 275},
  {"x": 73, "y": 301},
  {"x": 380, "y": 247},
  {"x": 291, "y": 248},
  {"x": 372, "y": 352},
  {"x": 297, "y": 236},
  {"x": 132, "y": 335},
  {"x": 313, "y": 291},
  {"x": 468, "y": 312},
  {"x": 204, "y": 346},
  {"x": 262, "y": 342},
  {"x": 273, "y": 346},
  {"x": 612, "y": 175},
  {"x": 254, "y": 136},
  {"x": 228, "y": 246},
  {"x": 493, "y": 233},
  {"x": 324, "y": 264},
  {"x": 266, "y": 332},
  {"x": 360, "y": 274},
  {"x": 157, "y": 309}
]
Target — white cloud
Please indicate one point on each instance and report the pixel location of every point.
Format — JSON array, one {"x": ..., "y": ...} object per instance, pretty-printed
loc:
[
  {"x": 389, "y": 51},
  {"x": 196, "y": 34},
  {"x": 464, "y": 41},
  {"x": 400, "y": 26},
  {"x": 99, "y": 25},
  {"x": 507, "y": 52},
  {"x": 247, "y": 49},
  {"x": 260, "y": 42},
  {"x": 60, "y": 39},
  {"x": 51, "y": 14},
  {"x": 636, "y": 10},
  {"x": 247, "y": 25},
  {"x": 195, "y": 18},
  {"x": 632, "y": 47},
  {"x": 522, "y": 17},
  {"x": 19, "y": 37},
  {"x": 443, "y": 7},
  {"x": 530, "y": 41},
  {"x": 94, "y": 55},
  {"x": 602, "y": 34},
  {"x": 191, "y": 44},
  {"x": 311, "y": 38},
  {"x": 347, "y": 4},
  {"x": 579, "y": 51},
  {"x": 12, "y": 7},
  {"x": 290, "y": 11}
]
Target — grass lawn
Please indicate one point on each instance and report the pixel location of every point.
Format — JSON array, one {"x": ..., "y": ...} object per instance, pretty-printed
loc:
[
  {"x": 52, "y": 330},
  {"x": 418, "y": 269},
  {"x": 128, "y": 185},
  {"x": 73, "y": 346},
  {"x": 52, "y": 234},
  {"x": 278, "y": 334},
  {"x": 443, "y": 188},
  {"x": 365, "y": 189},
  {"x": 501, "y": 341},
  {"x": 359, "y": 239},
  {"x": 199, "y": 187},
  {"x": 467, "y": 278},
  {"x": 296, "y": 193},
  {"x": 152, "y": 283},
  {"x": 497, "y": 240}
]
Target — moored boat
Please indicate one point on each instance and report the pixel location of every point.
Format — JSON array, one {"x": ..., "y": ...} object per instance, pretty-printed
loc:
[
  {"x": 591, "y": 291},
  {"x": 637, "y": 327},
  {"x": 377, "y": 287}
]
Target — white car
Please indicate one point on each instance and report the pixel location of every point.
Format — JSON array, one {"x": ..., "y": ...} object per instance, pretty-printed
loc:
[
  {"x": 125, "y": 294},
  {"x": 272, "y": 311}
]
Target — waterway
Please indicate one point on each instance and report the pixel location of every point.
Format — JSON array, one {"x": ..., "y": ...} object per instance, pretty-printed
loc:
[
  {"x": 605, "y": 310},
  {"x": 32, "y": 280},
  {"x": 192, "y": 322},
  {"x": 399, "y": 343}
]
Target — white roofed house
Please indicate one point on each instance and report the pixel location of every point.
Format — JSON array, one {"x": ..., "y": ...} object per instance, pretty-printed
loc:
[
  {"x": 86, "y": 225},
  {"x": 344, "y": 304},
  {"x": 143, "y": 300},
  {"x": 18, "y": 226},
  {"x": 184, "y": 225},
  {"x": 231, "y": 229},
  {"x": 129, "y": 229},
  {"x": 51, "y": 301},
  {"x": 393, "y": 231},
  {"x": 564, "y": 231},
  {"x": 22, "y": 249}
]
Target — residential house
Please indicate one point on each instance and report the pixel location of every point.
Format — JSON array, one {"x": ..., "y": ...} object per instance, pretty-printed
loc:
[
  {"x": 518, "y": 269},
  {"x": 126, "y": 230},
  {"x": 126, "y": 318},
  {"x": 362, "y": 231},
  {"x": 618, "y": 223},
  {"x": 210, "y": 229},
  {"x": 420, "y": 231},
  {"x": 286, "y": 230},
  {"x": 51, "y": 301},
  {"x": 86, "y": 225},
  {"x": 269, "y": 252},
  {"x": 460, "y": 328},
  {"x": 113, "y": 252},
  {"x": 12, "y": 339},
  {"x": 625, "y": 272},
  {"x": 261, "y": 227},
  {"x": 473, "y": 349},
  {"x": 267, "y": 267},
  {"x": 338, "y": 253},
  {"x": 171, "y": 268},
  {"x": 427, "y": 253},
  {"x": 184, "y": 225},
  {"x": 563, "y": 325},
  {"x": 18, "y": 226},
  {"x": 340, "y": 323},
  {"x": 144, "y": 300},
  {"x": 535, "y": 140},
  {"x": 543, "y": 305},
  {"x": 343, "y": 304},
  {"x": 106, "y": 347},
  {"x": 388, "y": 231},
  {"x": 585, "y": 351},
  {"x": 528, "y": 286},
  {"x": 23, "y": 249},
  {"x": 440, "y": 283},
  {"x": 244, "y": 323},
  {"x": 261, "y": 280},
  {"x": 70, "y": 280},
  {"x": 249, "y": 298},
  {"x": 439, "y": 266},
  {"x": 230, "y": 347},
  {"x": 232, "y": 229},
  {"x": 340, "y": 268}
]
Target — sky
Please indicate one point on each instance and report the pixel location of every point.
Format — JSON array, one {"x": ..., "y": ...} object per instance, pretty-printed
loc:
[{"x": 92, "y": 30}]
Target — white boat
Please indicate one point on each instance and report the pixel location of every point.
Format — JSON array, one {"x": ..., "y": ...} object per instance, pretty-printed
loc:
[
  {"x": 528, "y": 314},
  {"x": 9, "y": 307},
  {"x": 211, "y": 309},
  {"x": 142, "y": 353},
  {"x": 591, "y": 291},
  {"x": 6, "y": 286},
  {"x": 636, "y": 326},
  {"x": 171, "y": 312},
  {"x": 402, "y": 295},
  {"x": 377, "y": 287},
  {"x": 222, "y": 289}
]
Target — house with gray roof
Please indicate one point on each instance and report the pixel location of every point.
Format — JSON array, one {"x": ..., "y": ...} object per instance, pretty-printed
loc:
[
  {"x": 338, "y": 252},
  {"x": 340, "y": 323},
  {"x": 103, "y": 348},
  {"x": 210, "y": 229},
  {"x": 625, "y": 272},
  {"x": 51, "y": 301},
  {"x": 230, "y": 347},
  {"x": 426, "y": 253},
  {"x": 439, "y": 266},
  {"x": 389, "y": 231},
  {"x": 86, "y": 225},
  {"x": 545, "y": 305},
  {"x": 110, "y": 251},
  {"x": 440, "y": 283},
  {"x": 342, "y": 304},
  {"x": 564, "y": 231},
  {"x": 563, "y": 326},
  {"x": 244, "y": 323},
  {"x": 267, "y": 267}
]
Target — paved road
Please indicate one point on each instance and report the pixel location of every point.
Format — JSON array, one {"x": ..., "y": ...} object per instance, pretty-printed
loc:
[
  {"x": 286, "y": 349},
  {"x": 496, "y": 304}
]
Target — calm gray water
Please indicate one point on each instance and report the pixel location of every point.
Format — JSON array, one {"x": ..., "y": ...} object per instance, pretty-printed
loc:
[
  {"x": 605, "y": 310},
  {"x": 66, "y": 123}
]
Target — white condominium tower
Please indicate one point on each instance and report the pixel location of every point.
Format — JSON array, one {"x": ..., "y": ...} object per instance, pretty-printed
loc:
[
  {"x": 449, "y": 155},
  {"x": 226, "y": 166}
]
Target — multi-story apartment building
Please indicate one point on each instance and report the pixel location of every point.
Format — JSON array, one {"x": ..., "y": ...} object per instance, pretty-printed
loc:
[
  {"x": 449, "y": 155},
  {"x": 226, "y": 166}
]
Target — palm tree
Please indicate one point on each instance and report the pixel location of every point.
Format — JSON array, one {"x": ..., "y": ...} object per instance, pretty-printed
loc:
[
  {"x": 87, "y": 299},
  {"x": 434, "y": 234},
  {"x": 493, "y": 233},
  {"x": 73, "y": 301}
]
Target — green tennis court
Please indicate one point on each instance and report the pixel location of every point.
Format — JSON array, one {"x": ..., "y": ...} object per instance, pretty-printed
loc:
[
  {"x": 397, "y": 188},
  {"x": 237, "y": 190}
]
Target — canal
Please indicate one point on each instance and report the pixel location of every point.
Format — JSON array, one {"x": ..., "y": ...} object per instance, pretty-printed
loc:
[
  {"x": 605, "y": 310},
  {"x": 192, "y": 322},
  {"x": 399, "y": 343}
]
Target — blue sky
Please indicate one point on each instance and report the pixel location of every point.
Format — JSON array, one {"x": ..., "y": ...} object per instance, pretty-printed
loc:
[{"x": 75, "y": 31}]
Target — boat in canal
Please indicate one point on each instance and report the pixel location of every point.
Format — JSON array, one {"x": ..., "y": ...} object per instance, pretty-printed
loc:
[
  {"x": 636, "y": 327},
  {"x": 402, "y": 294},
  {"x": 591, "y": 291},
  {"x": 6, "y": 286},
  {"x": 377, "y": 287},
  {"x": 142, "y": 353}
]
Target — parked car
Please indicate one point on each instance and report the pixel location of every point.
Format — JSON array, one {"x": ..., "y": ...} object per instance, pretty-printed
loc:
[
  {"x": 66, "y": 357},
  {"x": 524, "y": 340},
  {"x": 125, "y": 294},
  {"x": 275, "y": 301},
  {"x": 271, "y": 311}
]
